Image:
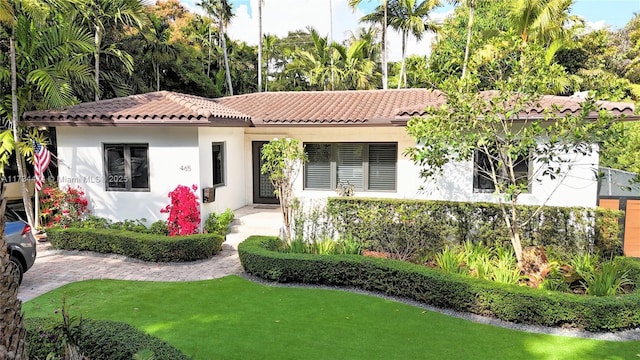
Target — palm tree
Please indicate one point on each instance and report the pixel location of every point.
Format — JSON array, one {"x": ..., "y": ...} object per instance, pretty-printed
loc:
[
  {"x": 316, "y": 63},
  {"x": 410, "y": 17},
  {"x": 47, "y": 62},
  {"x": 541, "y": 21},
  {"x": 356, "y": 70},
  {"x": 13, "y": 333},
  {"x": 471, "y": 4},
  {"x": 157, "y": 47},
  {"x": 105, "y": 15},
  {"x": 383, "y": 24},
  {"x": 221, "y": 11},
  {"x": 270, "y": 44}
]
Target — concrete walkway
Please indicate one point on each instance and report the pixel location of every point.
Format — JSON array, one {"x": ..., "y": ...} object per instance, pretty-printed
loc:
[{"x": 54, "y": 268}]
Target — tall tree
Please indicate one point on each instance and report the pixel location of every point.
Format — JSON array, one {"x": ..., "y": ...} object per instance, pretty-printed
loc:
[
  {"x": 110, "y": 15},
  {"x": 222, "y": 12},
  {"x": 497, "y": 128},
  {"x": 315, "y": 63},
  {"x": 541, "y": 21},
  {"x": 384, "y": 24},
  {"x": 157, "y": 47},
  {"x": 411, "y": 17},
  {"x": 471, "y": 5}
]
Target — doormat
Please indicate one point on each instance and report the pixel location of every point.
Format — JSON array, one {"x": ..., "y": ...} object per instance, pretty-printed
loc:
[{"x": 269, "y": 207}]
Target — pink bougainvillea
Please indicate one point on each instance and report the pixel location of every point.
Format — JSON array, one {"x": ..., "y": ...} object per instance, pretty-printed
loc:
[{"x": 184, "y": 211}]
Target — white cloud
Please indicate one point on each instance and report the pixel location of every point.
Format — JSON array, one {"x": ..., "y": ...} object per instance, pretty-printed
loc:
[{"x": 281, "y": 16}]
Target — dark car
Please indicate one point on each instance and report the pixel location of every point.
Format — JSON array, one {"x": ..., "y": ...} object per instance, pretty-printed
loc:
[{"x": 21, "y": 243}]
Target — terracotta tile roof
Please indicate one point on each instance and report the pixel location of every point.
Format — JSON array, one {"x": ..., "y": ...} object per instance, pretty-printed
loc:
[
  {"x": 367, "y": 107},
  {"x": 565, "y": 105},
  {"x": 162, "y": 107}
]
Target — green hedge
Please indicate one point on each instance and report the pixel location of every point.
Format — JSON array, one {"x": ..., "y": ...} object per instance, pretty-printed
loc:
[
  {"x": 433, "y": 287},
  {"x": 148, "y": 247},
  {"x": 97, "y": 339},
  {"x": 564, "y": 231}
]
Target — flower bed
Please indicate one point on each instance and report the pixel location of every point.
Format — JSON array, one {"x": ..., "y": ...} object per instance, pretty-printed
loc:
[
  {"x": 148, "y": 247},
  {"x": 433, "y": 287}
]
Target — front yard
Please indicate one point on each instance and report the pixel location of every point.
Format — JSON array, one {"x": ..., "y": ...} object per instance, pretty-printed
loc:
[{"x": 232, "y": 318}]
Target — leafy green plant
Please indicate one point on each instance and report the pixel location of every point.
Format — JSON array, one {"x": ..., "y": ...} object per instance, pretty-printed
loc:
[
  {"x": 94, "y": 222},
  {"x": 585, "y": 265},
  {"x": 350, "y": 245},
  {"x": 219, "y": 223},
  {"x": 450, "y": 260},
  {"x": 325, "y": 247},
  {"x": 506, "y": 267},
  {"x": 555, "y": 279},
  {"x": 159, "y": 227},
  {"x": 297, "y": 246},
  {"x": 135, "y": 225},
  {"x": 608, "y": 280}
]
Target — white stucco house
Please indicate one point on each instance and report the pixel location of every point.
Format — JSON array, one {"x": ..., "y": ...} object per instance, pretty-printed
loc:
[{"x": 129, "y": 153}]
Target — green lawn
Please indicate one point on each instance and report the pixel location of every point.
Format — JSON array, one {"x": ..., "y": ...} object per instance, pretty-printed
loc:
[{"x": 233, "y": 318}]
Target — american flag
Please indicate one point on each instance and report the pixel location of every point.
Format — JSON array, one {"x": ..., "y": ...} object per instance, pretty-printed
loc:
[{"x": 42, "y": 157}]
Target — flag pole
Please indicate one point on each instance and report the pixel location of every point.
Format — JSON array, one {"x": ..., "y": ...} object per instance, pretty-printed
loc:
[{"x": 36, "y": 206}]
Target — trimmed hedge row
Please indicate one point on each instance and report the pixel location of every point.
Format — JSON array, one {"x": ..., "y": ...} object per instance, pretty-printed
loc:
[
  {"x": 148, "y": 247},
  {"x": 433, "y": 287},
  {"x": 97, "y": 339},
  {"x": 436, "y": 224}
]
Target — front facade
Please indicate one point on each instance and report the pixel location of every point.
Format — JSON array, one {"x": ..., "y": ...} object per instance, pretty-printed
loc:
[{"x": 129, "y": 153}]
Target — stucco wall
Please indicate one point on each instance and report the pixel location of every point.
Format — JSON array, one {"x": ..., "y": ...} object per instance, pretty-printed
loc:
[
  {"x": 579, "y": 188},
  {"x": 232, "y": 194},
  {"x": 173, "y": 160}
]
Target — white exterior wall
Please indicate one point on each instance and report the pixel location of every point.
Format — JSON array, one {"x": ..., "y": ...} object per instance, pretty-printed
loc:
[
  {"x": 182, "y": 156},
  {"x": 579, "y": 188},
  {"x": 173, "y": 161},
  {"x": 232, "y": 194}
]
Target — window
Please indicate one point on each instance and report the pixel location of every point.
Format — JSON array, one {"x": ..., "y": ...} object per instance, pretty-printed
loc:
[
  {"x": 368, "y": 167},
  {"x": 126, "y": 167},
  {"x": 482, "y": 181},
  {"x": 217, "y": 152}
]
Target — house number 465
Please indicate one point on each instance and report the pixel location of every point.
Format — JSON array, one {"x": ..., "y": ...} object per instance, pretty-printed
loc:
[{"x": 185, "y": 167}]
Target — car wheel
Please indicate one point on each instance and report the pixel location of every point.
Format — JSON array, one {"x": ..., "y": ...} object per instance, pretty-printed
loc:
[{"x": 18, "y": 270}]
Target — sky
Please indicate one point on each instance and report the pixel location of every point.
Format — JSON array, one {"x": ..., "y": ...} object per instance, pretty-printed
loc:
[{"x": 281, "y": 16}]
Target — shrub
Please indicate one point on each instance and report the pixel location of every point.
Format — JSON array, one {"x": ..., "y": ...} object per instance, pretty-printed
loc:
[
  {"x": 62, "y": 207},
  {"x": 434, "y": 287},
  {"x": 413, "y": 228},
  {"x": 136, "y": 225},
  {"x": 159, "y": 228},
  {"x": 219, "y": 223},
  {"x": 184, "y": 211},
  {"x": 97, "y": 339},
  {"x": 148, "y": 247}
]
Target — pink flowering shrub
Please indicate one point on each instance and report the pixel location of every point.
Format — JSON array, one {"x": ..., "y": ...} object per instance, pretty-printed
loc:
[{"x": 184, "y": 211}]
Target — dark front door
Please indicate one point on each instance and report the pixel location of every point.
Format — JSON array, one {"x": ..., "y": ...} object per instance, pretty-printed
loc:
[{"x": 262, "y": 187}]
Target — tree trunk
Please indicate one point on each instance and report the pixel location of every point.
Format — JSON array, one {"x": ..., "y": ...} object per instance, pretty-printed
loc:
[
  {"x": 97, "y": 63},
  {"x": 405, "y": 35},
  {"x": 466, "y": 49},
  {"x": 157, "y": 77},
  {"x": 385, "y": 74},
  {"x": 12, "y": 332},
  {"x": 226, "y": 58},
  {"x": 259, "y": 45},
  {"x": 209, "y": 61},
  {"x": 22, "y": 176}
]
